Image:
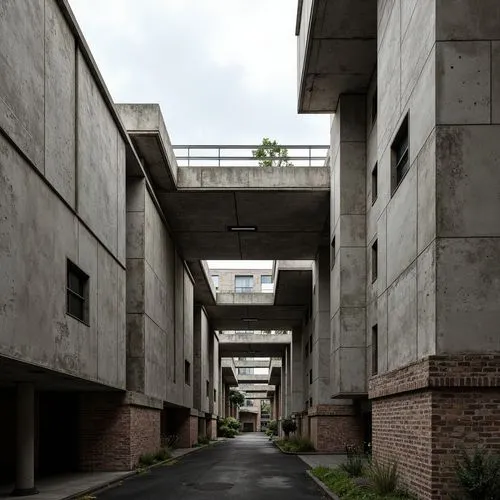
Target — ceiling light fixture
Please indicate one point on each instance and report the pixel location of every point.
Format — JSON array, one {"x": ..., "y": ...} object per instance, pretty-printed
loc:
[
  {"x": 250, "y": 320},
  {"x": 243, "y": 229}
]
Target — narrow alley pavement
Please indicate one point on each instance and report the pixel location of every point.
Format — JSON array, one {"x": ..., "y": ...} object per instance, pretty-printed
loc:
[{"x": 247, "y": 467}]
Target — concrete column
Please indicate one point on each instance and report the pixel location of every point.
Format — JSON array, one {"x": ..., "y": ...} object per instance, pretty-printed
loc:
[
  {"x": 288, "y": 380},
  {"x": 297, "y": 372},
  {"x": 25, "y": 453},
  {"x": 320, "y": 356}
]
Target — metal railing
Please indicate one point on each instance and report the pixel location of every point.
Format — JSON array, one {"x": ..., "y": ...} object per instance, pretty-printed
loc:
[{"x": 239, "y": 155}]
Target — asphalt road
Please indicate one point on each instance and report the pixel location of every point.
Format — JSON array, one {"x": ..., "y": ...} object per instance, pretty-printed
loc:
[{"x": 247, "y": 467}]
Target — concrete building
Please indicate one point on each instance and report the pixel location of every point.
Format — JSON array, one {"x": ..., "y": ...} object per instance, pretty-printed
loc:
[
  {"x": 386, "y": 276},
  {"x": 414, "y": 232}
]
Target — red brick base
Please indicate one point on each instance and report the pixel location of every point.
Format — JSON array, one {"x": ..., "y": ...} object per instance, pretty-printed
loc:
[
  {"x": 212, "y": 428},
  {"x": 424, "y": 413},
  {"x": 113, "y": 435},
  {"x": 188, "y": 432},
  {"x": 333, "y": 427}
]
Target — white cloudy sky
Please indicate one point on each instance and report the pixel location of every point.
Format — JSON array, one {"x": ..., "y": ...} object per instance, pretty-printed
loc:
[{"x": 223, "y": 71}]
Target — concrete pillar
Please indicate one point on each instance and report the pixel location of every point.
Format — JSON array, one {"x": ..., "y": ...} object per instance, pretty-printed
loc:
[
  {"x": 297, "y": 372},
  {"x": 289, "y": 380},
  {"x": 25, "y": 453}
]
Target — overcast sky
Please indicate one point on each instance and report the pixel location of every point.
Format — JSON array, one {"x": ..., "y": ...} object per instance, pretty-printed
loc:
[{"x": 223, "y": 71}]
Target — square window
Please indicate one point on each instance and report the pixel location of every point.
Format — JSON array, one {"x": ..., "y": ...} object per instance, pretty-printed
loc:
[
  {"x": 332, "y": 254},
  {"x": 374, "y": 349},
  {"x": 77, "y": 293},
  {"x": 374, "y": 261},
  {"x": 187, "y": 372},
  {"x": 374, "y": 183},
  {"x": 243, "y": 284},
  {"x": 266, "y": 279},
  {"x": 400, "y": 150}
]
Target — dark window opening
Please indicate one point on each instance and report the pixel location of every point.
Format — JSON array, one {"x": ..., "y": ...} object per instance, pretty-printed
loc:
[
  {"x": 187, "y": 372},
  {"x": 208, "y": 389},
  {"x": 374, "y": 183},
  {"x": 310, "y": 376},
  {"x": 374, "y": 105},
  {"x": 310, "y": 402},
  {"x": 266, "y": 279},
  {"x": 374, "y": 261},
  {"x": 332, "y": 254},
  {"x": 374, "y": 350},
  {"x": 215, "y": 395},
  {"x": 77, "y": 293},
  {"x": 400, "y": 155}
]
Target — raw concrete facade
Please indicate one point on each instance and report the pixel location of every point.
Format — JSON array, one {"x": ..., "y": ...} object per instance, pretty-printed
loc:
[{"x": 414, "y": 301}]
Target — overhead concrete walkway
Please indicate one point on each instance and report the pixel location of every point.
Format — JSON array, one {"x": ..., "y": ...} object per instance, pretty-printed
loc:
[{"x": 248, "y": 467}]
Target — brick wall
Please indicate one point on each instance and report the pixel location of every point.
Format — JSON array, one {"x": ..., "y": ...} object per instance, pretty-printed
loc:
[
  {"x": 424, "y": 413},
  {"x": 113, "y": 435},
  {"x": 212, "y": 428},
  {"x": 333, "y": 427},
  {"x": 188, "y": 435}
]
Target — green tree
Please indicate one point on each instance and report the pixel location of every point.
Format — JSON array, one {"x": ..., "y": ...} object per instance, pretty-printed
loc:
[
  {"x": 236, "y": 398},
  {"x": 271, "y": 154},
  {"x": 265, "y": 407}
]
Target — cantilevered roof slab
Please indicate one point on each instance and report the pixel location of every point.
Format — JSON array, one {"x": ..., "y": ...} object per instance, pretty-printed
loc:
[{"x": 337, "y": 51}]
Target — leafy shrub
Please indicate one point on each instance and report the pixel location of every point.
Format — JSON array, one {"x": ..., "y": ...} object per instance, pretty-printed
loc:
[
  {"x": 203, "y": 440},
  {"x": 236, "y": 398},
  {"x": 384, "y": 477},
  {"x": 478, "y": 474},
  {"x": 288, "y": 425},
  {"x": 355, "y": 461},
  {"x": 228, "y": 432},
  {"x": 296, "y": 445},
  {"x": 269, "y": 432},
  {"x": 162, "y": 454},
  {"x": 232, "y": 423},
  {"x": 273, "y": 427},
  {"x": 147, "y": 459}
]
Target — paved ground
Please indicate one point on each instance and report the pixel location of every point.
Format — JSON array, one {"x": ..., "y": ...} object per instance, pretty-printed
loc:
[
  {"x": 323, "y": 460},
  {"x": 248, "y": 467}
]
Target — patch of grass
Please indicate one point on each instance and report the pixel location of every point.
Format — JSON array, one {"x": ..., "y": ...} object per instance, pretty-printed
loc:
[
  {"x": 149, "y": 459},
  {"x": 172, "y": 462},
  {"x": 339, "y": 482},
  {"x": 384, "y": 477},
  {"x": 295, "y": 445}
]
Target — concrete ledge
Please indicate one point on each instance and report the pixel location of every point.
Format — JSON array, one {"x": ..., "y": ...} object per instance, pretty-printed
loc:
[
  {"x": 322, "y": 485},
  {"x": 139, "y": 399}
]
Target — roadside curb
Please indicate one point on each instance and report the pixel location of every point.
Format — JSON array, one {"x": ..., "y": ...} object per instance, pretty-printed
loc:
[
  {"x": 322, "y": 485},
  {"x": 140, "y": 470}
]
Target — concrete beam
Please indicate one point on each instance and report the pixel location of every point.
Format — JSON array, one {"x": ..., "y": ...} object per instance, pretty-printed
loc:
[
  {"x": 251, "y": 363},
  {"x": 253, "y": 379},
  {"x": 248, "y": 388},
  {"x": 251, "y": 345},
  {"x": 257, "y": 298}
]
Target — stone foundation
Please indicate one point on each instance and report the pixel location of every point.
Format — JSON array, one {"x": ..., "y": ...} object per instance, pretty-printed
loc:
[
  {"x": 113, "y": 435},
  {"x": 424, "y": 413},
  {"x": 333, "y": 427}
]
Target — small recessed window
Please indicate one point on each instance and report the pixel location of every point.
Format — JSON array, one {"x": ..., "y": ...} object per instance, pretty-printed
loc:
[
  {"x": 215, "y": 279},
  {"x": 310, "y": 376},
  {"x": 208, "y": 389},
  {"x": 77, "y": 293},
  {"x": 374, "y": 105},
  {"x": 215, "y": 395},
  {"x": 310, "y": 402},
  {"x": 187, "y": 372},
  {"x": 374, "y": 183},
  {"x": 374, "y": 261},
  {"x": 266, "y": 279},
  {"x": 374, "y": 349},
  {"x": 400, "y": 155},
  {"x": 243, "y": 284},
  {"x": 332, "y": 254}
]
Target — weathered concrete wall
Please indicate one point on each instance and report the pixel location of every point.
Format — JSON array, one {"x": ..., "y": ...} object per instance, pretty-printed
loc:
[
  {"x": 401, "y": 301},
  {"x": 202, "y": 360},
  {"x": 159, "y": 304},
  {"x": 62, "y": 196}
]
